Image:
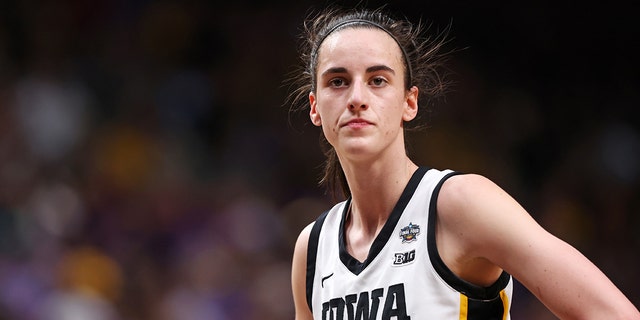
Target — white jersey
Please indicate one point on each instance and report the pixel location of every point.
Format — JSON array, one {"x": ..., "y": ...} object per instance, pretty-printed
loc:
[{"x": 403, "y": 276}]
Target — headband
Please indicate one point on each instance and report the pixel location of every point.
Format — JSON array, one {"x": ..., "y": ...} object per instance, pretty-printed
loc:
[{"x": 371, "y": 23}]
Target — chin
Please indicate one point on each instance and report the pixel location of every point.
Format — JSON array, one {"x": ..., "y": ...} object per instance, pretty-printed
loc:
[{"x": 358, "y": 151}]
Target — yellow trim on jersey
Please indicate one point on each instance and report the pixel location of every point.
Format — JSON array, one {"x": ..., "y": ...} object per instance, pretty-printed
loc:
[
  {"x": 505, "y": 303},
  {"x": 464, "y": 306}
]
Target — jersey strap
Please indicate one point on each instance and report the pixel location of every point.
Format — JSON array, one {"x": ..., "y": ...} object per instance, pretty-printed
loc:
[
  {"x": 312, "y": 252},
  {"x": 470, "y": 290}
]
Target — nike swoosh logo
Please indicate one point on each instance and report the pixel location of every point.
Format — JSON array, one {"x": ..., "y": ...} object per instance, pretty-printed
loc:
[{"x": 325, "y": 278}]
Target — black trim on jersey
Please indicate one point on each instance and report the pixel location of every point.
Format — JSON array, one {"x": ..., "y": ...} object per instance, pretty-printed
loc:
[
  {"x": 469, "y": 289},
  {"x": 312, "y": 253},
  {"x": 352, "y": 263},
  {"x": 485, "y": 309}
]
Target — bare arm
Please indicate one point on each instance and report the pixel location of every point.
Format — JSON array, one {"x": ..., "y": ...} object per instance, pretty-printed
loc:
[
  {"x": 484, "y": 223},
  {"x": 299, "y": 275}
]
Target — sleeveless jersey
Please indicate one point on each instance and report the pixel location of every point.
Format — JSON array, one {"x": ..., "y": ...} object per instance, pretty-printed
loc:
[{"x": 403, "y": 276}]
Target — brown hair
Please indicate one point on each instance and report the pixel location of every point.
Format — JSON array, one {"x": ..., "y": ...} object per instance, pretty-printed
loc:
[{"x": 423, "y": 59}]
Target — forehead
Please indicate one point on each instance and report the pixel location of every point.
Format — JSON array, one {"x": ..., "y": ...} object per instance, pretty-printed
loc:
[{"x": 360, "y": 44}]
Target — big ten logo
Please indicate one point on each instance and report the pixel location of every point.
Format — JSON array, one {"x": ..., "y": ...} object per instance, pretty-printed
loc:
[{"x": 402, "y": 258}]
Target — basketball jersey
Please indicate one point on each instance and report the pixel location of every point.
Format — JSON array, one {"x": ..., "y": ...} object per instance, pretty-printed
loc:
[{"x": 403, "y": 276}]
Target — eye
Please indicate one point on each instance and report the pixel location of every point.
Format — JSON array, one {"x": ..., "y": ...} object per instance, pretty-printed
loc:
[
  {"x": 378, "y": 81},
  {"x": 337, "y": 82}
]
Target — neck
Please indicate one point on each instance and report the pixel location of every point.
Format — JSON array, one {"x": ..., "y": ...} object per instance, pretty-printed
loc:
[{"x": 375, "y": 189}]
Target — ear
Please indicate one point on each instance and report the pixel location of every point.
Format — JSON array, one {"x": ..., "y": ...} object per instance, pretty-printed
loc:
[
  {"x": 313, "y": 110},
  {"x": 411, "y": 104}
]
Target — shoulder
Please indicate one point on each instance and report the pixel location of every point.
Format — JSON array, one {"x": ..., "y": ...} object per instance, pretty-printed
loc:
[
  {"x": 479, "y": 213},
  {"x": 299, "y": 274},
  {"x": 303, "y": 240},
  {"x": 309, "y": 235},
  {"x": 468, "y": 182},
  {"x": 484, "y": 221},
  {"x": 469, "y": 208},
  {"x": 463, "y": 192}
]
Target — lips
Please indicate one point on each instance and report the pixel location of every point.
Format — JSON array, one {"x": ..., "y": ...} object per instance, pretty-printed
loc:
[{"x": 357, "y": 123}]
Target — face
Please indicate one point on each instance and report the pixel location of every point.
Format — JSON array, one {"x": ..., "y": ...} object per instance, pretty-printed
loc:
[{"x": 361, "y": 101}]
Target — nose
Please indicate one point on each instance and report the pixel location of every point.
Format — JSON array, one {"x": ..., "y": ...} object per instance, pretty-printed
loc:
[{"x": 357, "y": 97}]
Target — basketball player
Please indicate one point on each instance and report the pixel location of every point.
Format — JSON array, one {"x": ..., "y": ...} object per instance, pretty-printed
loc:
[{"x": 412, "y": 242}]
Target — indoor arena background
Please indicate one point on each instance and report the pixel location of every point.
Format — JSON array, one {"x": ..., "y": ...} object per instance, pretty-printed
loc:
[{"x": 149, "y": 168}]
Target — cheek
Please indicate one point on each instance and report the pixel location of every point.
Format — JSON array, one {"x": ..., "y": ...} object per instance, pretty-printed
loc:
[
  {"x": 393, "y": 121},
  {"x": 330, "y": 134},
  {"x": 330, "y": 116},
  {"x": 330, "y": 125}
]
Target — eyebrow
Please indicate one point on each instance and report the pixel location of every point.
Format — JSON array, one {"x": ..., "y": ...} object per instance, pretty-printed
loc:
[
  {"x": 380, "y": 68},
  {"x": 334, "y": 70},
  {"x": 371, "y": 69}
]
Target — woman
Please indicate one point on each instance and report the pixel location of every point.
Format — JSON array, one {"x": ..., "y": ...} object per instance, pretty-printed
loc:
[{"x": 411, "y": 242}]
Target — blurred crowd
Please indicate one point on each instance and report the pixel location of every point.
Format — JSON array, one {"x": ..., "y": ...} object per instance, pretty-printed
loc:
[{"x": 149, "y": 168}]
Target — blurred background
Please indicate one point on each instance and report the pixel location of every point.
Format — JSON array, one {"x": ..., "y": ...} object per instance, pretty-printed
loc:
[{"x": 149, "y": 168}]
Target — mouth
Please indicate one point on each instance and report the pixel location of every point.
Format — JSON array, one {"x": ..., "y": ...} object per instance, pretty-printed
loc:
[{"x": 357, "y": 123}]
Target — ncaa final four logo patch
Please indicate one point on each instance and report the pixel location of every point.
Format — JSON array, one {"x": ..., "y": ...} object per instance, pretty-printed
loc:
[{"x": 410, "y": 232}]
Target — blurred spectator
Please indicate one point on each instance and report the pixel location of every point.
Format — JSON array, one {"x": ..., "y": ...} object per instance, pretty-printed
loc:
[{"x": 89, "y": 284}]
